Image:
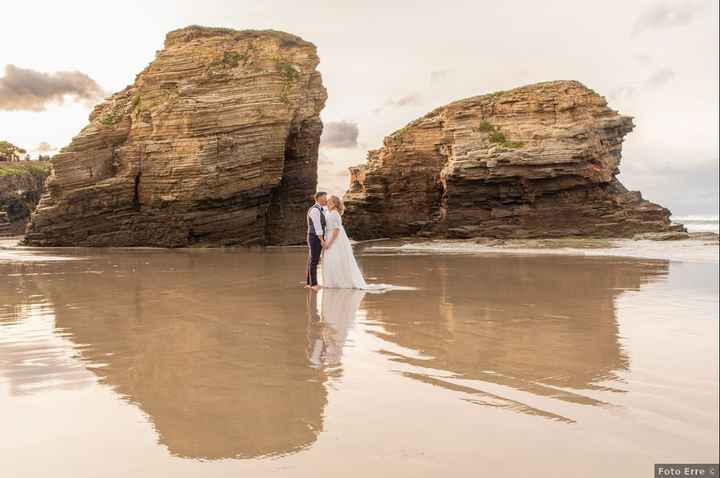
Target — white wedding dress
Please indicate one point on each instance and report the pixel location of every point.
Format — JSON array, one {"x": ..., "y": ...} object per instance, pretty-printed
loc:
[{"x": 339, "y": 268}]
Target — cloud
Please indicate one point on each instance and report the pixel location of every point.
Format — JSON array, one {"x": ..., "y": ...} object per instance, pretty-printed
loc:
[
  {"x": 328, "y": 167},
  {"x": 44, "y": 147},
  {"x": 643, "y": 59},
  {"x": 621, "y": 92},
  {"x": 411, "y": 99},
  {"x": 664, "y": 15},
  {"x": 660, "y": 77},
  {"x": 333, "y": 173},
  {"x": 339, "y": 134},
  {"x": 30, "y": 90},
  {"x": 437, "y": 75},
  {"x": 407, "y": 100}
]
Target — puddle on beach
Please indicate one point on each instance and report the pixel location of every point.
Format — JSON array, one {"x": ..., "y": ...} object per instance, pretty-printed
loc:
[{"x": 216, "y": 362}]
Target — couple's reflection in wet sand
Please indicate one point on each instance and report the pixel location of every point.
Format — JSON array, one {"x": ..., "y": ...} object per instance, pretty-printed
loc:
[
  {"x": 229, "y": 358},
  {"x": 331, "y": 314}
]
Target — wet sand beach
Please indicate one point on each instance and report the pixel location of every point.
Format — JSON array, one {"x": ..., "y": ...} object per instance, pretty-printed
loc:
[{"x": 217, "y": 362}]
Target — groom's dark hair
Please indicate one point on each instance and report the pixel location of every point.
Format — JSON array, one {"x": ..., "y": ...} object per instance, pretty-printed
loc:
[{"x": 319, "y": 194}]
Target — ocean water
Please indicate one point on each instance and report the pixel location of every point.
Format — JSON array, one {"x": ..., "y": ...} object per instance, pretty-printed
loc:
[
  {"x": 698, "y": 251},
  {"x": 699, "y": 223}
]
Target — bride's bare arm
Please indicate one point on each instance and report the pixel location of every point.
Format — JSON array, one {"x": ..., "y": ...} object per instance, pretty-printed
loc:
[
  {"x": 333, "y": 235},
  {"x": 333, "y": 225}
]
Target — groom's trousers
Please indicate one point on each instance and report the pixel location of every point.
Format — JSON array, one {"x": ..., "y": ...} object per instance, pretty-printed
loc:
[{"x": 313, "y": 259}]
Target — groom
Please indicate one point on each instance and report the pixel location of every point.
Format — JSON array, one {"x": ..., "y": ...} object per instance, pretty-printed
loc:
[{"x": 316, "y": 238}]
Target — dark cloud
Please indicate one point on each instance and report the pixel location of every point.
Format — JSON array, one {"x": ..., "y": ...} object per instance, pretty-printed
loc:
[
  {"x": 339, "y": 134},
  {"x": 44, "y": 147},
  {"x": 664, "y": 15},
  {"x": 30, "y": 90}
]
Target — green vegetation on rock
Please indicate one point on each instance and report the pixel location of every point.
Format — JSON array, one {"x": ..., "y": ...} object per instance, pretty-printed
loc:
[
  {"x": 110, "y": 118},
  {"x": 498, "y": 137},
  {"x": 230, "y": 59},
  {"x": 10, "y": 152},
  {"x": 37, "y": 168},
  {"x": 288, "y": 71},
  {"x": 21, "y": 185},
  {"x": 289, "y": 75},
  {"x": 485, "y": 126}
]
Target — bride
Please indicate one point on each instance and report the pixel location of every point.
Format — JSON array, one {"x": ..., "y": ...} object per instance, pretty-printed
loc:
[{"x": 339, "y": 268}]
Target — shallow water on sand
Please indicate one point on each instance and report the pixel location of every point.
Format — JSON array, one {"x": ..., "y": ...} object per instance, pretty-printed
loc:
[{"x": 218, "y": 362}]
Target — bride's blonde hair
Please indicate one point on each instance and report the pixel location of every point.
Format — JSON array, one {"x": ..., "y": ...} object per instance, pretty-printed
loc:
[{"x": 337, "y": 203}]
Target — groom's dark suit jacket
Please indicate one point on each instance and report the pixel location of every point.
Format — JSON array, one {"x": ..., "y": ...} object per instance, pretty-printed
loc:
[{"x": 314, "y": 245}]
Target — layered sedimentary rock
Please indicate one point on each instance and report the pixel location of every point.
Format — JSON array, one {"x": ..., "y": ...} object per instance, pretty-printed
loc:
[
  {"x": 5, "y": 225},
  {"x": 214, "y": 143},
  {"x": 536, "y": 161}
]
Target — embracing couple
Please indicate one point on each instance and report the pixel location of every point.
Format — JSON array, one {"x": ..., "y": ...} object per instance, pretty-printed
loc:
[{"x": 327, "y": 238}]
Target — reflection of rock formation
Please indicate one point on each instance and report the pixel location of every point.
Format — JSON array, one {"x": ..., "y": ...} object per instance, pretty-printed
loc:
[
  {"x": 216, "y": 359},
  {"x": 33, "y": 357},
  {"x": 218, "y": 350},
  {"x": 544, "y": 324},
  {"x": 331, "y": 315},
  {"x": 215, "y": 142}
]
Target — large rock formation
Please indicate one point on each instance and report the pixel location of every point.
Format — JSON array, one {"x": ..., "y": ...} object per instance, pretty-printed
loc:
[
  {"x": 215, "y": 143},
  {"x": 536, "y": 161}
]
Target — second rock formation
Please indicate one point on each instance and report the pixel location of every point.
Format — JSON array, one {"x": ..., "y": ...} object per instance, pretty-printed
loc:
[{"x": 536, "y": 161}]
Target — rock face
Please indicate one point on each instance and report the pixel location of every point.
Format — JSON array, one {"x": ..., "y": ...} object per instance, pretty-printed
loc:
[
  {"x": 21, "y": 185},
  {"x": 5, "y": 225},
  {"x": 536, "y": 161},
  {"x": 215, "y": 142}
]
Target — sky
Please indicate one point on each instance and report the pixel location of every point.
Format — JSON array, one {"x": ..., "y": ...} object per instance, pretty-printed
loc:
[{"x": 386, "y": 63}]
